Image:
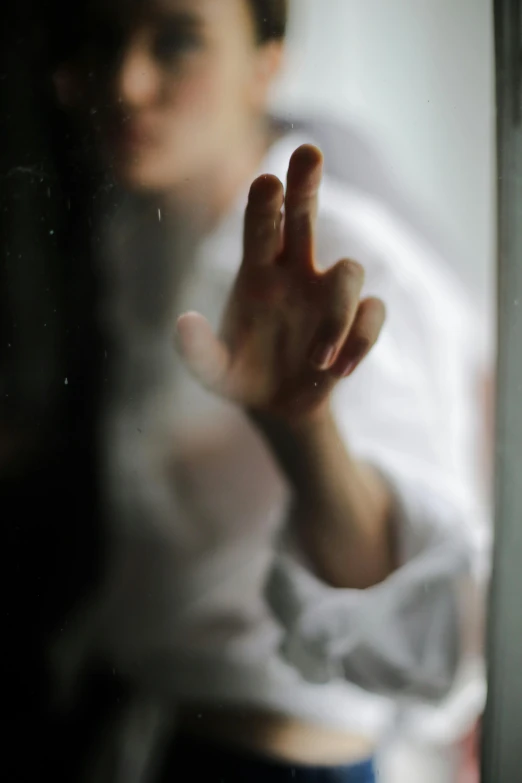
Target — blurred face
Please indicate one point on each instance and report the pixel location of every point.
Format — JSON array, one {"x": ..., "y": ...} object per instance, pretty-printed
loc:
[{"x": 173, "y": 88}]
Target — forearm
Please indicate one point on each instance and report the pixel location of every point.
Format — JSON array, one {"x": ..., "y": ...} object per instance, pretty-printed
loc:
[{"x": 342, "y": 509}]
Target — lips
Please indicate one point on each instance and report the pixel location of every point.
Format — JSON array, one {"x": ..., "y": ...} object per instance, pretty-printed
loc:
[{"x": 131, "y": 135}]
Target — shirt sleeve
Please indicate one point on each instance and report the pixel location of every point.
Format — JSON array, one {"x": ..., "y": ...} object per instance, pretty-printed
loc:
[{"x": 412, "y": 410}]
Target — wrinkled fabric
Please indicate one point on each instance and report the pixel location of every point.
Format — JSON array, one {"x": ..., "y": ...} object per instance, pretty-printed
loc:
[{"x": 207, "y": 595}]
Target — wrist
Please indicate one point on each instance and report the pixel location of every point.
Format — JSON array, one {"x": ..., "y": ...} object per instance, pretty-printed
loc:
[
  {"x": 298, "y": 443},
  {"x": 298, "y": 427}
]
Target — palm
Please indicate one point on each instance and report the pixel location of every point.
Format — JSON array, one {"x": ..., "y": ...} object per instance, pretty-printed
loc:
[{"x": 289, "y": 332}]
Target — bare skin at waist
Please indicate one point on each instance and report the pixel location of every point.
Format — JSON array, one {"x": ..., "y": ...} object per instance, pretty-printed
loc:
[{"x": 277, "y": 736}]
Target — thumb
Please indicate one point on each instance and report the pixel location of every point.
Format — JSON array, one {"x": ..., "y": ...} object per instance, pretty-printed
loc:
[{"x": 207, "y": 357}]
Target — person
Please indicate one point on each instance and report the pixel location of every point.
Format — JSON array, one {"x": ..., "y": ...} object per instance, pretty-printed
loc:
[{"x": 290, "y": 417}]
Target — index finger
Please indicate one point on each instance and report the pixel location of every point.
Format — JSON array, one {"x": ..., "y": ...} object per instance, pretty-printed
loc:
[{"x": 303, "y": 180}]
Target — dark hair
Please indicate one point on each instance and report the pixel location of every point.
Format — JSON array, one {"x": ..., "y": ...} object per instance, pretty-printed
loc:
[{"x": 271, "y": 17}]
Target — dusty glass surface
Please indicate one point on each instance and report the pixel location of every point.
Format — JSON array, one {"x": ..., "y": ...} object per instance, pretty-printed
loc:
[{"x": 246, "y": 373}]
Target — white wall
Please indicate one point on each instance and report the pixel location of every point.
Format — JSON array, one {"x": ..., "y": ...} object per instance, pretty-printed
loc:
[{"x": 420, "y": 73}]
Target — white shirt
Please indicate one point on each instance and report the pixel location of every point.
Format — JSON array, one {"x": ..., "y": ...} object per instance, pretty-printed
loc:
[{"x": 206, "y": 597}]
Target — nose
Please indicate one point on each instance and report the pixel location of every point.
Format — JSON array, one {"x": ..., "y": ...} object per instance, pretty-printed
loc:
[{"x": 137, "y": 81}]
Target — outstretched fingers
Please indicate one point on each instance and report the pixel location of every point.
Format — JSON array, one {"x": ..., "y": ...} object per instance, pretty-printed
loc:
[
  {"x": 262, "y": 238},
  {"x": 364, "y": 333},
  {"x": 342, "y": 287},
  {"x": 302, "y": 188}
]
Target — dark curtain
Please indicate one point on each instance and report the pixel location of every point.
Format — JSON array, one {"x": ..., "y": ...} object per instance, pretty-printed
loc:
[{"x": 52, "y": 356}]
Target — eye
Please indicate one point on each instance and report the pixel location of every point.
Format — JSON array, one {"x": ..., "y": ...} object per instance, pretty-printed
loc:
[{"x": 170, "y": 45}]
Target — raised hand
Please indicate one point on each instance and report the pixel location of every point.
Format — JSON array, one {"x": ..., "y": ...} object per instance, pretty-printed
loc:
[{"x": 290, "y": 331}]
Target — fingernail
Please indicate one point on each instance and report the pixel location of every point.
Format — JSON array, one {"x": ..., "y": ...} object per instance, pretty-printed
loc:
[
  {"x": 322, "y": 356},
  {"x": 350, "y": 367}
]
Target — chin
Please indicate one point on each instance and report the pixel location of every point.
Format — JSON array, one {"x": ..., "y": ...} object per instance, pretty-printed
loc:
[
  {"x": 140, "y": 179},
  {"x": 137, "y": 172}
]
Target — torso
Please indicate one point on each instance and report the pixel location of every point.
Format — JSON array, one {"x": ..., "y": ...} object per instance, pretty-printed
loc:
[{"x": 196, "y": 501}]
